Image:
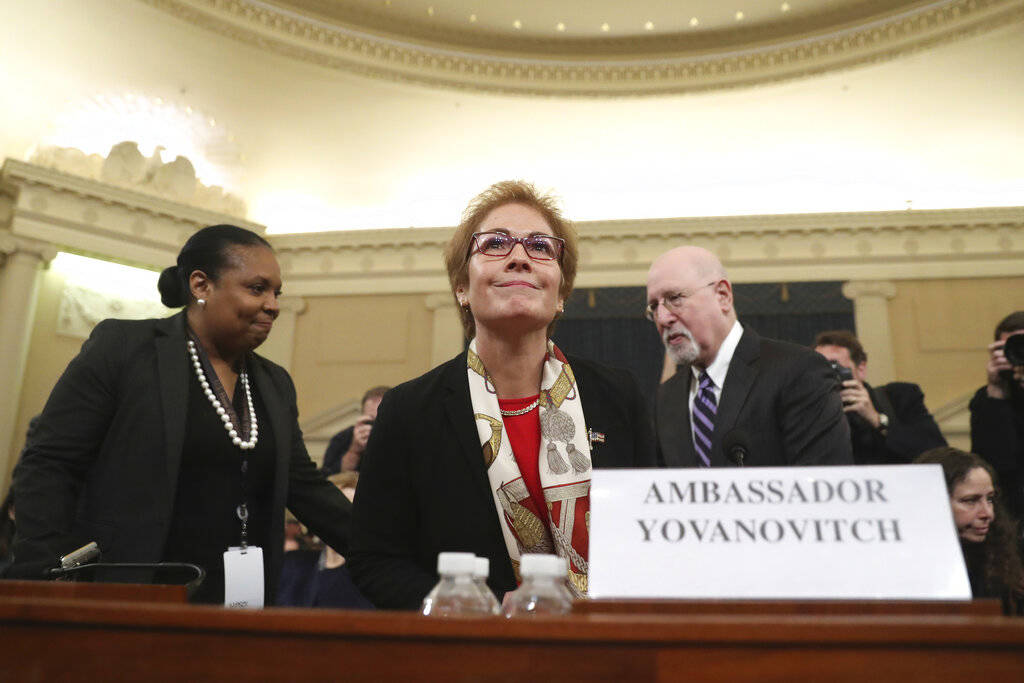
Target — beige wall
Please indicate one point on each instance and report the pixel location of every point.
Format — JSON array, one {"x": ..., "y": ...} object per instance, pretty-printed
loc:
[
  {"x": 346, "y": 344},
  {"x": 941, "y": 328}
]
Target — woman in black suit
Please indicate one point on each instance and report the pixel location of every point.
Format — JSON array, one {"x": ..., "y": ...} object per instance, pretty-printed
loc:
[
  {"x": 491, "y": 453},
  {"x": 171, "y": 440}
]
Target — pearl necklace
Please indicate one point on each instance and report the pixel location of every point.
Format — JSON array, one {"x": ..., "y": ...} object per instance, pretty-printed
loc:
[
  {"x": 224, "y": 416},
  {"x": 521, "y": 411}
]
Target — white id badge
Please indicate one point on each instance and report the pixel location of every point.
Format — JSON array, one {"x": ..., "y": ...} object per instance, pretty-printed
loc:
[{"x": 243, "y": 577}]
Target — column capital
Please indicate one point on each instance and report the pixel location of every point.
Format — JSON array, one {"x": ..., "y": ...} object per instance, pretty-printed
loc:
[
  {"x": 12, "y": 244},
  {"x": 292, "y": 304},
  {"x": 439, "y": 301},
  {"x": 856, "y": 289}
]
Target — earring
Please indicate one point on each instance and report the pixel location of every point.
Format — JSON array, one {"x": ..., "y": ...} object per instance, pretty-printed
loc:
[{"x": 201, "y": 302}]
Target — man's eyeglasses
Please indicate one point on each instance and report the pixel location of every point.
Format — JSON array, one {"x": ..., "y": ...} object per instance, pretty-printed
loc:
[
  {"x": 538, "y": 247},
  {"x": 673, "y": 302}
]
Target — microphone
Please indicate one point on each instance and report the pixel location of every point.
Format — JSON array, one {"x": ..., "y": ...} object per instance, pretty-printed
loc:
[
  {"x": 736, "y": 445},
  {"x": 87, "y": 553},
  {"x": 57, "y": 565}
]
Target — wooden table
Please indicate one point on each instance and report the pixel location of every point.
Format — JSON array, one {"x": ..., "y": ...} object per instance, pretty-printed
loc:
[{"x": 103, "y": 637}]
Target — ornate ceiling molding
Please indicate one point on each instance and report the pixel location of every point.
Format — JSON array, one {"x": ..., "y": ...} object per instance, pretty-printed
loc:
[{"x": 593, "y": 71}]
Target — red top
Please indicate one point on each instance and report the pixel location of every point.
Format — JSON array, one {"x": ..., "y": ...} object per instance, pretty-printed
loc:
[{"x": 524, "y": 436}]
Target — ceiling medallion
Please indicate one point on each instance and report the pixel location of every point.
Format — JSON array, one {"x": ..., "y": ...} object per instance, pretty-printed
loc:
[{"x": 648, "y": 64}]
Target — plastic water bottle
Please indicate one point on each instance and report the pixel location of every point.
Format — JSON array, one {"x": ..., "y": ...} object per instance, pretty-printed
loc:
[
  {"x": 455, "y": 594},
  {"x": 481, "y": 570},
  {"x": 543, "y": 590}
]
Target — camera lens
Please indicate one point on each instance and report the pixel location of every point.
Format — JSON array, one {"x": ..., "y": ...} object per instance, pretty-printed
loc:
[{"x": 1013, "y": 349}]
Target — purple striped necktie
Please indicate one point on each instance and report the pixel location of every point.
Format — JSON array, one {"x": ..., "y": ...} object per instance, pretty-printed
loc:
[{"x": 704, "y": 410}]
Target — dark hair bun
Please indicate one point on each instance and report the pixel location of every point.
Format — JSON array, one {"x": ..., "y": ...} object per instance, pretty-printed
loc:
[{"x": 172, "y": 288}]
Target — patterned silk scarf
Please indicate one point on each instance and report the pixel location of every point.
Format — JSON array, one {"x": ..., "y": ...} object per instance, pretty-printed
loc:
[{"x": 564, "y": 468}]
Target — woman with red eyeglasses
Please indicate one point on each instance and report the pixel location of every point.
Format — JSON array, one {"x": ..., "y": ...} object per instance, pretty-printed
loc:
[{"x": 491, "y": 452}]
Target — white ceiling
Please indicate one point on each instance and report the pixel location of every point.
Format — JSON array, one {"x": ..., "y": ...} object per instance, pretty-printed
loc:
[{"x": 323, "y": 148}]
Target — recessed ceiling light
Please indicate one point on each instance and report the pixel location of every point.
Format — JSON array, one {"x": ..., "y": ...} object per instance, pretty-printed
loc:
[
  {"x": 605, "y": 27},
  {"x": 559, "y": 26},
  {"x": 739, "y": 16},
  {"x": 649, "y": 26},
  {"x": 694, "y": 21},
  {"x": 517, "y": 24},
  {"x": 784, "y": 7}
]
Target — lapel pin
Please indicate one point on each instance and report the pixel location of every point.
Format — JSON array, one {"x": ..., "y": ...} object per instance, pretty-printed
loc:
[{"x": 595, "y": 437}]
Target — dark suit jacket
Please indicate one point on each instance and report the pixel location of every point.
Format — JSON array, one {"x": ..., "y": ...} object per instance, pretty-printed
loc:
[
  {"x": 997, "y": 435},
  {"x": 912, "y": 429},
  {"x": 337, "y": 447},
  {"x": 423, "y": 487},
  {"x": 782, "y": 395},
  {"x": 102, "y": 463}
]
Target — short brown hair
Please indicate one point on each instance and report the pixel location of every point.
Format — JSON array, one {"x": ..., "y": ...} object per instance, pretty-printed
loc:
[
  {"x": 375, "y": 392},
  {"x": 846, "y": 339},
  {"x": 1011, "y": 323},
  {"x": 456, "y": 254}
]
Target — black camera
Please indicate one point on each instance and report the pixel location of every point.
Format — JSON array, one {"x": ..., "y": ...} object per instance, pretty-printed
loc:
[
  {"x": 842, "y": 372},
  {"x": 1013, "y": 349}
]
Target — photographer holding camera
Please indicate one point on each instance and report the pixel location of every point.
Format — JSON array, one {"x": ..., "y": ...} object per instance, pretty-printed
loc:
[
  {"x": 888, "y": 424},
  {"x": 997, "y": 411},
  {"x": 345, "y": 449}
]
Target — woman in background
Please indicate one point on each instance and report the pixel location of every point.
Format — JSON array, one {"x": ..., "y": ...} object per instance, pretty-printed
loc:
[
  {"x": 491, "y": 452},
  {"x": 319, "y": 577},
  {"x": 988, "y": 536},
  {"x": 170, "y": 440}
]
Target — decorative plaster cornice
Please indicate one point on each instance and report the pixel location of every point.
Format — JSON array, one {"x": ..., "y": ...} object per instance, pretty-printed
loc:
[
  {"x": 53, "y": 208},
  {"x": 125, "y": 167},
  {"x": 23, "y": 173},
  {"x": 889, "y": 245},
  {"x": 593, "y": 74},
  {"x": 93, "y": 217}
]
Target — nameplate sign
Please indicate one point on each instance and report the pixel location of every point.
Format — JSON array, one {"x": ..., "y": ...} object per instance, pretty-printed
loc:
[{"x": 881, "y": 532}]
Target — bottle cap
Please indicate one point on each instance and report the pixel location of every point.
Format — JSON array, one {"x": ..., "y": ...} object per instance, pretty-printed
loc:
[
  {"x": 543, "y": 565},
  {"x": 481, "y": 568},
  {"x": 455, "y": 563}
]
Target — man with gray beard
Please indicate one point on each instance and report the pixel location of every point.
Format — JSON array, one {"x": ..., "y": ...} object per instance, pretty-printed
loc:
[{"x": 736, "y": 398}]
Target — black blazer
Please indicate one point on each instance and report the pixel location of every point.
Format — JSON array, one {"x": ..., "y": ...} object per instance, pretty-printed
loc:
[
  {"x": 423, "y": 487},
  {"x": 997, "y": 435},
  {"x": 912, "y": 429},
  {"x": 102, "y": 462},
  {"x": 782, "y": 395}
]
